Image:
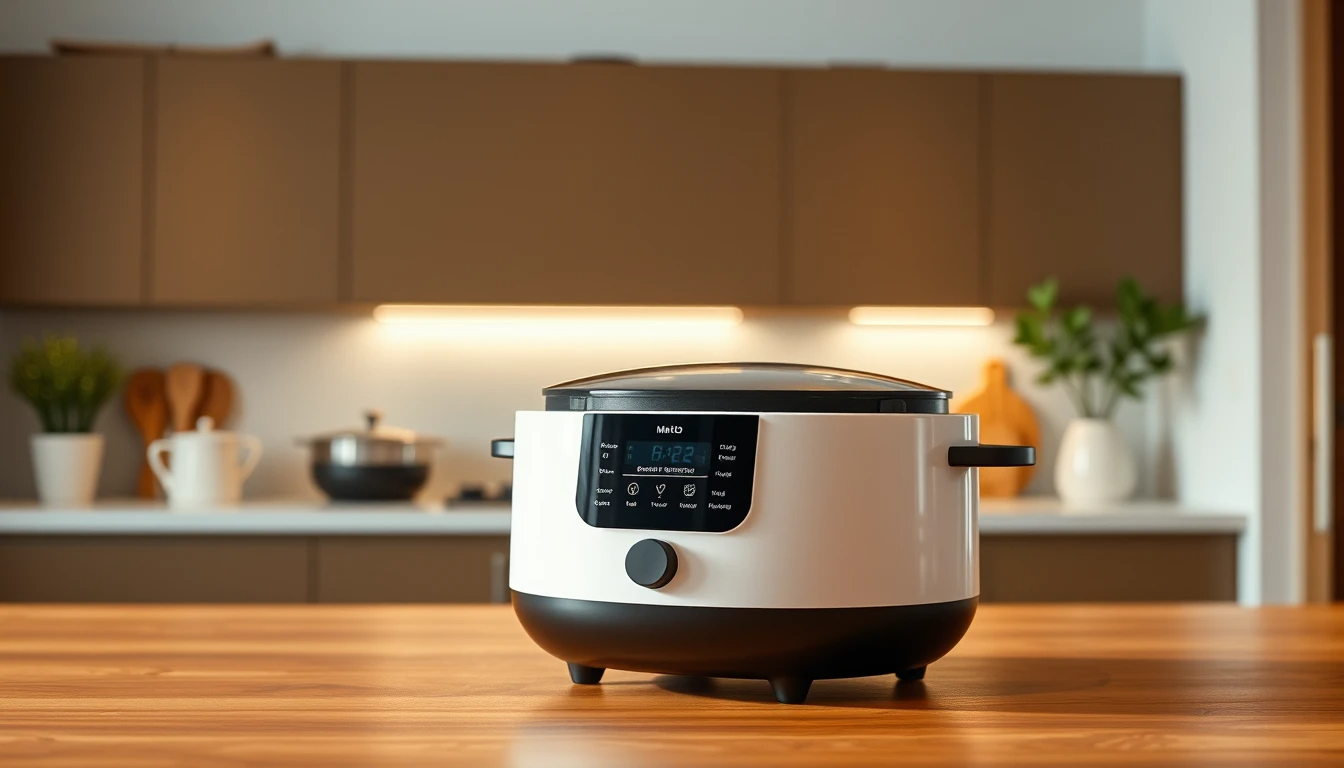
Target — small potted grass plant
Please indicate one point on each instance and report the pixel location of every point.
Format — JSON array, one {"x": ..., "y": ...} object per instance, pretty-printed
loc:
[
  {"x": 1094, "y": 463},
  {"x": 67, "y": 385}
]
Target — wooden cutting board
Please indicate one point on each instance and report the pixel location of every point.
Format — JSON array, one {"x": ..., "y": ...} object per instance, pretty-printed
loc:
[{"x": 1005, "y": 419}]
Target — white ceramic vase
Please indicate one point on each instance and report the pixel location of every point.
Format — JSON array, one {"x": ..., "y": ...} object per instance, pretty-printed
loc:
[
  {"x": 1094, "y": 465},
  {"x": 66, "y": 467}
]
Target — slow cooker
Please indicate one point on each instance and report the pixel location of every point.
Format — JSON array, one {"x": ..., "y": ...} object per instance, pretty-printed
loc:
[{"x": 751, "y": 520}]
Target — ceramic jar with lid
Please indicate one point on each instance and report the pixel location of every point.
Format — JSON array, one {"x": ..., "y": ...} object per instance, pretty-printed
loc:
[{"x": 205, "y": 467}]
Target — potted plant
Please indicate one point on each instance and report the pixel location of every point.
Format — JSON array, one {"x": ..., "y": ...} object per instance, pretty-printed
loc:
[
  {"x": 67, "y": 385},
  {"x": 1094, "y": 462}
]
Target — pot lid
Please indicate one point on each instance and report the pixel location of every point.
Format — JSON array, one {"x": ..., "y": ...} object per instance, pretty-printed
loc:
[
  {"x": 375, "y": 431},
  {"x": 763, "y": 387}
]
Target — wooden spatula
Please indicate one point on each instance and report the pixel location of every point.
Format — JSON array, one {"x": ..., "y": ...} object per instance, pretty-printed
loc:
[
  {"x": 184, "y": 383},
  {"x": 148, "y": 408},
  {"x": 217, "y": 397}
]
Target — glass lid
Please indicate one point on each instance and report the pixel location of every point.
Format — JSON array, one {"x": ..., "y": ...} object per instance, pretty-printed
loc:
[{"x": 746, "y": 387}]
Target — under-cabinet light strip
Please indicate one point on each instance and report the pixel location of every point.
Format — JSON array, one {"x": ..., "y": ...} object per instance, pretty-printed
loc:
[
  {"x": 547, "y": 321},
  {"x": 922, "y": 316}
]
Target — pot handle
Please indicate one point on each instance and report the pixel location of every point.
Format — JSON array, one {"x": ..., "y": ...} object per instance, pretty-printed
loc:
[
  {"x": 502, "y": 449},
  {"x": 991, "y": 456}
]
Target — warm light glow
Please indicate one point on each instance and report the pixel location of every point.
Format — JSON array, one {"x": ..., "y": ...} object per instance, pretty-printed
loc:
[
  {"x": 574, "y": 323},
  {"x": 922, "y": 316}
]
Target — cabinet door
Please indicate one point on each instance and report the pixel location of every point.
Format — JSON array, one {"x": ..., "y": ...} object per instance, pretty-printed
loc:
[
  {"x": 71, "y": 180},
  {"x": 412, "y": 569},
  {"x": 1085, "y": 185},
  {"x": 153, "y": 569},
  {"x": 884, "y": 188},
  {"x": 1134, "y": 568},
  {"x": 568, "y": 184},
  {"x": 247, "y": 182}
]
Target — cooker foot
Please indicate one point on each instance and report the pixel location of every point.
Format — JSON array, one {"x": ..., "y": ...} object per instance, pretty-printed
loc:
[
  {"x": 912, "y": 674},
  {"x": 582, "y": 675},
  {"x": 790, "y": 690}
]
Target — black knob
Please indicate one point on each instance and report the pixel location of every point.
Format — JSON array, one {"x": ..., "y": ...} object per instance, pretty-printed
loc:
[{"x": 651, "y": 563}]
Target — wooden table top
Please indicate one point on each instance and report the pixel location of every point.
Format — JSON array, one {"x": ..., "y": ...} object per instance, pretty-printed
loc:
[{"x": 462, "y": 685}]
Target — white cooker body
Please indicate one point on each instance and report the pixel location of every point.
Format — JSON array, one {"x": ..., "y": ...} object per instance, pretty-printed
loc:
[{"x": 848, "y": 510}]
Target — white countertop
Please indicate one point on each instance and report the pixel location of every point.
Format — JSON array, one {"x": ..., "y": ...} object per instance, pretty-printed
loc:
[
  {"x": 274, "y": 518},
  {"x": 1046, "y": 514},
  {"x": 1029, "y": 515}
]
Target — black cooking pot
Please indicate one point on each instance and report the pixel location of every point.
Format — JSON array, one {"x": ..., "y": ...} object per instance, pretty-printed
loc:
[{"x": 377, "y": 463}]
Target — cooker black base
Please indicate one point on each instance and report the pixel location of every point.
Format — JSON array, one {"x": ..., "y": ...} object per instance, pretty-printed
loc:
[{"x": 790, "y": 647}]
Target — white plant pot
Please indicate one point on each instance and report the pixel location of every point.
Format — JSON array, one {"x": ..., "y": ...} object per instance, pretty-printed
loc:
[
  {"x": 1094, "y": 465},
  {"x": 66, "y": 466}
]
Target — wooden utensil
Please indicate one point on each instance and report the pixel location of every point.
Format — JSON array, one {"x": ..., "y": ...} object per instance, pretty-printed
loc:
[
  {"x": 184, "y": 383},
  {"x": 1005, "y": 419},
  {"x": 147, "y": 405},
  {"x": 216, "y": 397}
]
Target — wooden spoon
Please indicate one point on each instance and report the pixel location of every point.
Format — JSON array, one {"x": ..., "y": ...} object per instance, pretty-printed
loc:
[
  {"x": 148, "y": 408},
  {"x": 217, "y": 399},
  {"x": 184, "y": 383}
]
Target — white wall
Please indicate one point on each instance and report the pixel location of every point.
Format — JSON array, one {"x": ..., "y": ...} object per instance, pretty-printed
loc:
[
  {"x": 1238, "y": 443},
  {"x": 302, "y": 374},
  {"x": 1083, "y": 34},
  {"x": 1283, "y": 434}
]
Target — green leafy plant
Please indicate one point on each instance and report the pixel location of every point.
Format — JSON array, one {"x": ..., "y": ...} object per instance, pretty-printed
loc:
[
  {"x": 65, "y": 383},
  {"x": 1097, "y": 373}
]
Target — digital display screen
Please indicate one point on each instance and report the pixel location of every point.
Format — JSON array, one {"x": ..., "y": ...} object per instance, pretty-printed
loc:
[
  {"x": 655, "y": 456},
  {"x": 666, "y": 472}
]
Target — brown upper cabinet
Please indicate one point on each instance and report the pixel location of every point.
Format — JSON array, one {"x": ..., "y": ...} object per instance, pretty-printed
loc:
[
  {"x": 884, "y": 188},
  {"x": 260, "y": 182},
  {"x": 247, "y": 182},
  {"x": 1084, "y": 184},
  {"x": 71, "y": 180},
  {"x": 579, "y": 184}
]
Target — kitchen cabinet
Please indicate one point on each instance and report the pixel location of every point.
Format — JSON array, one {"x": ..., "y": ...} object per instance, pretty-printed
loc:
[
  {"x": 204, "y": 568},
  {"x": 190, "y": 181},
  {"x": 153, "y": 569},
  {"x": 254, "y": 569},
  {"x": 412, "y": 569},
  {"x": 580, "y": 184},
  {"x": 1108, "y": 568},
  {"x": 247, "y": 169},
  {"x": 71, "y": 180},
  {"x": 884, "y": 188},
  {"x": 1084, "y": 183}
]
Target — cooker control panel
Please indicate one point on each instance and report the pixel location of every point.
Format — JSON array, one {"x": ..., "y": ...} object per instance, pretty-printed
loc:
[{"x": 667, "y": 472}]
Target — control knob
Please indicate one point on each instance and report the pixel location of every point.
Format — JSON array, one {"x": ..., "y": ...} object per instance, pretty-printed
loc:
[{"x": 651, "y": 563}]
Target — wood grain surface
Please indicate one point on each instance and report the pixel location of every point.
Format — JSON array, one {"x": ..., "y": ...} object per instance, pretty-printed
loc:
[{"x": 421, "y": 685}]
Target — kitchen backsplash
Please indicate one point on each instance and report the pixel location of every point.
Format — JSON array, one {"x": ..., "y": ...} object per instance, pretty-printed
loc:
[{"x": 304, "y": 374}]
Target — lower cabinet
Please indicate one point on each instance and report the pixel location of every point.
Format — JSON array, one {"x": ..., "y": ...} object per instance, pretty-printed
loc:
[
  {"x": 474, "y": 569},
  {"x": 1108, "y": 568},
  {"x": 254, "y": 569},
  {"x": 385, "y": 569}
]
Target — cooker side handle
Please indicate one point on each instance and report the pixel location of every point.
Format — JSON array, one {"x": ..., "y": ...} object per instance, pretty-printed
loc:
[
  {"x": 991, "y": 456},
  {"x": 502, "y": 448}
]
